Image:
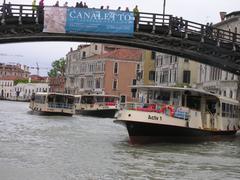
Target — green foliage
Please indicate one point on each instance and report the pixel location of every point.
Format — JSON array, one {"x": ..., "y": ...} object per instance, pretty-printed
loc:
[
  {"x": 20, "y": 81},
  {"x": 58, "y": 68}
]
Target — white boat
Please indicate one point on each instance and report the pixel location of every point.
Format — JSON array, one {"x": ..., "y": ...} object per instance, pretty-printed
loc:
[
  {"x": 174, "y": 114},
  {"x": 53, "y": 104},
  {"x": 96, "y": 105}
]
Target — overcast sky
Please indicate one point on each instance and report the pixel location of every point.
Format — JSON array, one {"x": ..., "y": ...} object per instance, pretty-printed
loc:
[{"x": 44, "y": 53}]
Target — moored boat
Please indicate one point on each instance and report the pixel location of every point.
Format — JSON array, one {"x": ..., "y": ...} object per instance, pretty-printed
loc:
[
  {"x": 97, "y": 105},
  {"x": 53, "y": 104},
  {"x": 175, "y": 114}
]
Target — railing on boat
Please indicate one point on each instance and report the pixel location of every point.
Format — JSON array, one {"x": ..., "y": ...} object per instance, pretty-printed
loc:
[
  {"x": 173, "y": 111},
  {"x": 60, "y": 105}
]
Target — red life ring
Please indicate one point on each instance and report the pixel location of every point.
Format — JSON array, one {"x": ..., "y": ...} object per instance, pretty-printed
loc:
[
  {"x": 165, "y": 107},
  {"x": 171, "y": 109}
]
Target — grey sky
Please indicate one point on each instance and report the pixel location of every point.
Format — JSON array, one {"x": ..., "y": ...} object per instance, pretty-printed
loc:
[{"x": 44, "y": 53}]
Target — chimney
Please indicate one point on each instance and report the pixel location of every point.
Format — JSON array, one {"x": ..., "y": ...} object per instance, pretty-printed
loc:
[{"x": 222, "y": 15}]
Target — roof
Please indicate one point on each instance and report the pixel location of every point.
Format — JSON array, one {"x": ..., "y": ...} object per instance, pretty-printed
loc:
[
  {"x": 234, "y": 13},
  {"x": 144, "y": 87},
  {"x": 13, "y": 78},
  {"x": 52, "y": 93},
  {"x": 124, "y": 54},
  {"x": 99, "y": 95}
]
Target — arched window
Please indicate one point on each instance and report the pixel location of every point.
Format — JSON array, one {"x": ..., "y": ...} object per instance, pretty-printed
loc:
[
  {"x": 231, "y": 94},
  {"x": 115, "y": 68}
]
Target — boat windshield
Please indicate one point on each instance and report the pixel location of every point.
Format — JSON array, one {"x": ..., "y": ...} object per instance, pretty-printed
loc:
[{"x": 98, "y": 99}]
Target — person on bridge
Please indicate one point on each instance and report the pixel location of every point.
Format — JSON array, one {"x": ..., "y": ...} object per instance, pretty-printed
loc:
[
  {"x": 136, "y": 16},
  {"x": 34, "y": 7},
  {"x": 56, "y": 4},
  {"x": 65, "y": 4},
  {"x": 9, "y": 9}
]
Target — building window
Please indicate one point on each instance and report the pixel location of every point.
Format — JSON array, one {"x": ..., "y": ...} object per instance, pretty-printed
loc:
[
  {"x": 224, "y": 93},
  {"x": 84, "y": 55},
  {"x": 231, "y": 94},
  {"x": 82, "y": 83},
  {"x": 96, "y": 47},
  {"x": 115, "y": 70},
  {"x": 186, "y": 60},
  {"x": 115, "y": 84},
  {"x": 134, "y": 82},
  {"x": 186, "y": 77},
  {"x": 153, "y": 55},
  {"x": 98, "y": 83},
  {"x": 152, "y": 75}
]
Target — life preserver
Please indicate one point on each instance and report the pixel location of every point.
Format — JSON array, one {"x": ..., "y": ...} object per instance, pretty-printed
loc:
[
  {"x": 171, "y": 109},
  {"x": 164, "y": 109}
]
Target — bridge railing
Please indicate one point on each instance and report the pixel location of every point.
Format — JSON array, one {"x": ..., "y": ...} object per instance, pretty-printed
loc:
[
  {"x": 152, "y": 22},
  {"x": 175, "y": 24}
]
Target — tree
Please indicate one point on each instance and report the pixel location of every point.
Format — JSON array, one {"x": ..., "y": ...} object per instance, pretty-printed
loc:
[{"x": 58, "y": 68}]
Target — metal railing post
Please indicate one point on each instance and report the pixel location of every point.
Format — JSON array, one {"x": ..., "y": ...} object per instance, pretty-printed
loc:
[
  {"x": 154, "y": 23},
  {"x": 3, "y": 20},
  {"x": 170, "y": 25},
  {"x": 186, "y": 30},
  {"x": 202, "y": 33},
  {"x": 20, "y": 15}
]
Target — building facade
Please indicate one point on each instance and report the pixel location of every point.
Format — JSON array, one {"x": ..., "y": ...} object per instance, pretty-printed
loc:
[
  {"x": 6, "y": 88},
  {"x": 214, "y": 79},
  {"x": 16, "y": 71},
  {"x": 24, "y": 91},
  {"x": 175, "y": 71},
  {"x": 57, "y": 84},
  {"x": 109, "y": 71}
]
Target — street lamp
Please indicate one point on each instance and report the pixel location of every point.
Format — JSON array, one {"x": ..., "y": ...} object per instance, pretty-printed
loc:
[{"x": 164, "y": 6}]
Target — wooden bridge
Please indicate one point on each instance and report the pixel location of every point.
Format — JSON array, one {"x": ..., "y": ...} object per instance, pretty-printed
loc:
[{"x": 157, "y": 32}]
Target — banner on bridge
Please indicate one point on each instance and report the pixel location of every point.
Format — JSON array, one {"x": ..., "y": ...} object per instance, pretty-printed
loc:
[{"x": 88, "y": 21}]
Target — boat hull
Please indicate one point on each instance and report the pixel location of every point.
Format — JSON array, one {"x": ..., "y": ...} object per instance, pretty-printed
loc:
[
  {"x": 46, "y": 113},
  {"x": 141, "y": 132},
  {"x": 103, "y": 113}
]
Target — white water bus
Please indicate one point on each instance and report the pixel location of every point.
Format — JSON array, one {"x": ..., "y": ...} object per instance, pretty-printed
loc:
[
  {"x": 177, "y": 113},
  {"x": 53, "y": 104},
  {"x": 97, "y": 105}
]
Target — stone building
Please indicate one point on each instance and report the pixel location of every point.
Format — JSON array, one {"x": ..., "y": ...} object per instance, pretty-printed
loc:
[
  {"x": 175, "y": 71},
  {"x": 17, "y": 71},
  {"x": 6, "y": 88},
  {"x": 104, "y": 69},
  {"x": 214, "y": 79}
]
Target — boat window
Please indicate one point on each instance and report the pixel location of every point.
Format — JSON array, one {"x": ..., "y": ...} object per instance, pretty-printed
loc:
[
  {"x": 211, "y": 106},
  {"x": 50, "y": 98},
  {"x": 40, "y": 99},
  {"x": 77, "y": 99},
  {"x": 109, "y": 99},
  {"x": 99, "y": 98},
  {"x": 60, "y": 99},
  {"x": 70, "y": 100},
  {"x": 87, "y": 100},
  {"x": 194, "y": 102},
  {"x": 230, "y": 110},
  {"x": 163, "y": 97},
  {"x": 176, "y": 98}
]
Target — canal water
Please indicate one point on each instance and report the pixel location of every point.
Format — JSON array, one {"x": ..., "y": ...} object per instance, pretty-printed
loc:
[{"x": 34, "y": 147}]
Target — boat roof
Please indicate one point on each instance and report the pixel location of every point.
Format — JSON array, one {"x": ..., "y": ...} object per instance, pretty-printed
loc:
[
  {"x": 99, "y": 95},
  {"x": 52, "y": 93},
  {"x": 222, "y": 98}
]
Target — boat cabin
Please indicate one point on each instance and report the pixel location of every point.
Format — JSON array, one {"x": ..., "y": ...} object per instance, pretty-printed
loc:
[
  {"x": 199, "y": 108},
  {"x": 52, "y": 102}
]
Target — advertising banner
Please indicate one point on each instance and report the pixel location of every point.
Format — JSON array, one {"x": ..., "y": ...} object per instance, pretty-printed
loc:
[
  {"x": 54, "y": 20},
  {"x": 88, "y": 21}
]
